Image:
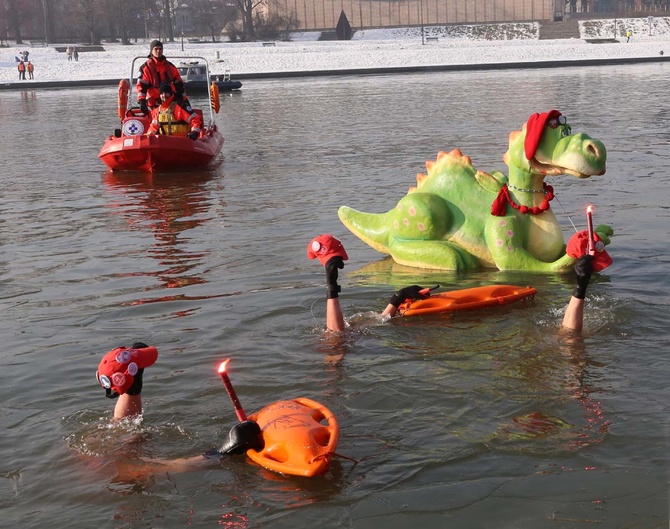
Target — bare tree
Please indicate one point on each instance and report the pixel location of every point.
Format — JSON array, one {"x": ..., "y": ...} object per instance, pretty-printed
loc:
[
  {"x": 16, "y": 13},
  {"x": 283, "y": 19},
  {"x": 121, "y": 17},
  {"x": 212, "y": 14},
  {"x": 167, "y": 13},
  {"x": 248, "y": 10},
  {"x": 47, "y": 17},
  {"x": 277, "y": 26},
  {"x": 89, "y": 13}
]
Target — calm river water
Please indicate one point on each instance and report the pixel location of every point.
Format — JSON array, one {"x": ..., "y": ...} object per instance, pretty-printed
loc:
[{"x": 486, "y": 419}]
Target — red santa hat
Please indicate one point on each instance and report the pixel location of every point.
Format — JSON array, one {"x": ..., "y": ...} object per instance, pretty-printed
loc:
[
  {"x": 534, "y": 129},
  {"x": 323, "y": 247}
]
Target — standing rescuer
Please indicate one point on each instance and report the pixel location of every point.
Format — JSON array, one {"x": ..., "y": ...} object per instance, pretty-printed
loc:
[{"x": 156, "y": 71}]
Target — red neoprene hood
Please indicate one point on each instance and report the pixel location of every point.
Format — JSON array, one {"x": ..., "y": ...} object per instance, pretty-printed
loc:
[
  {"x": 534, "y": 129},
  {"x": 578, "y": 246},
  {"x": 118, "y": 368},
  {"x": 323, "y": 247}
]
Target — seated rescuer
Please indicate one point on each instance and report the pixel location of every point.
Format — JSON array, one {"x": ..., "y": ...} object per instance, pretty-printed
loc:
[
  {"x": 154, "y": 72},
  {"x": 332, "y": 254},
  {"x": 120, "y": 373},
  {"x": 174, "y": 118}
]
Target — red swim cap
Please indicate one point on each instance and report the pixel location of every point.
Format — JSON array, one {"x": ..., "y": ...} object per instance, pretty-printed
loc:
[
  {"x": 325, "y": 246},
  {"x": 118, "y": 368},
  {"x": 578, "y": 245}
]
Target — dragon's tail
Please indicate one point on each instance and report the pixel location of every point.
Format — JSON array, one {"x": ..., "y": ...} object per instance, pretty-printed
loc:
[{"x": 371, "y": 228}]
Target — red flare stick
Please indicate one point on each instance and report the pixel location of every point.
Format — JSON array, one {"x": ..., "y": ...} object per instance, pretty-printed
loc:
[
  {"x": 239, "y": 411},
  {"x": 589, "y": 224}
]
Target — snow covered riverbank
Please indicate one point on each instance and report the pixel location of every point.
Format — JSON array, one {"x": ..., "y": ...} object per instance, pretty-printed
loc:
[{"x": 369, "y": 49}]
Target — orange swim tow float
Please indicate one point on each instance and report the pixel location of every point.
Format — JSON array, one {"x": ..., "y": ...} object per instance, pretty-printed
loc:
[
  {"x": 297, "y": 440},
  {"x": 467, "y": 299},
  {"x": 299, "y": 435}
]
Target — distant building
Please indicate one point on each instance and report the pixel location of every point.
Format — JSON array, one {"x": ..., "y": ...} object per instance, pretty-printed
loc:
[
  {"x": 319, "y": 15},
  {"x": 324, "y": 14}
]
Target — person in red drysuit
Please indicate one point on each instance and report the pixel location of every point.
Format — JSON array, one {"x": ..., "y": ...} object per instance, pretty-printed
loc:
[
  {"x": 173, "y": 117},
  {"x": 156, "y": 71}
]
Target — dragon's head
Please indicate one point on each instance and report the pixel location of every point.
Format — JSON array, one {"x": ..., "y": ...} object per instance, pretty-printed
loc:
[{"x": 546, "y": 146}]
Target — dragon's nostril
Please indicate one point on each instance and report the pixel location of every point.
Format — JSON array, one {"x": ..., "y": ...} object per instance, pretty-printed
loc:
[{"x": 592, "y": 149}]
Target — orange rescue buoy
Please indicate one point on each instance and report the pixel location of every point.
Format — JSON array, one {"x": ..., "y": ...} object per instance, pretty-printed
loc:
[
  {"x": 297, "y": 441},
  {"x": 216, "y": 104},
  {"x": 124, "y": 87},
  {"x": 467, "y": 299}
]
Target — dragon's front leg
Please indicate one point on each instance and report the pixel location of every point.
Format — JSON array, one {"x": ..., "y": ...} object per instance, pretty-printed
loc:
[{"x": 505, "y": 238}]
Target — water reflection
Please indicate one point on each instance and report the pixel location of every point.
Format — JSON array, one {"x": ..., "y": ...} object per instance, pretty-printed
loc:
[
  {"x": 555, "y": 384},
  {"x": 29, "y": 101},
  {"x": 167, "y": 206}
]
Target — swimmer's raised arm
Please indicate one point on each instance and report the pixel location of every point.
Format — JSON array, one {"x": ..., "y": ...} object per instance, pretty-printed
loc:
[
  {"x": 331, "y": 255},
  {"x": 120, "y": 374},
  {"x": 574, "y": 314}
]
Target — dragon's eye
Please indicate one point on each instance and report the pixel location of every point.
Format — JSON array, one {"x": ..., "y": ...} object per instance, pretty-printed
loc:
[{"x": 555, "y": 122}]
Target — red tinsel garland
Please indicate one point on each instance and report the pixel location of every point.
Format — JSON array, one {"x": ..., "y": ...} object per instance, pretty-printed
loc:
[{"x": 499, "y": 206}]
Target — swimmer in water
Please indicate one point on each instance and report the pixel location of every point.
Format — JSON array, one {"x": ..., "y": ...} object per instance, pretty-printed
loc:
[
  {"x": 120, "y": 374},
  {"x": 331, "y": 254}
]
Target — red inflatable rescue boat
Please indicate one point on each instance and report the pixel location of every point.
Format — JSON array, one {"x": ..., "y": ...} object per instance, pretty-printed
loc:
[
  {"x": 130, "y": 149},
  {"x": 467, "y": 299},
  {"x": 300, "y": 437}
]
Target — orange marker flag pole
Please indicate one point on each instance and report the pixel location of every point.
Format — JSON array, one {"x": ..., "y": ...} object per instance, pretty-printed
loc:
[
  {"x": 589, "y": 224},
  {"x": 241, "y": 416}
]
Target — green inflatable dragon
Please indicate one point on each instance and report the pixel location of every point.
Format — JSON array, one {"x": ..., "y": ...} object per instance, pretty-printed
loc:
[{"x": 458, "y": 218}]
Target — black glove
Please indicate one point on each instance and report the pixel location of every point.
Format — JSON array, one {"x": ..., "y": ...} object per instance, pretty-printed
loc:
[
  {"x": 144, "y": 107},
  {"x": 331, "y": 276},
  {"x": 193, "y": 135},
  {"x": 411, "y": 292},
  {"x": 136, "y": 388},
  {"x": 584, "y": 269},
  {"x": 242, "y": 437}
]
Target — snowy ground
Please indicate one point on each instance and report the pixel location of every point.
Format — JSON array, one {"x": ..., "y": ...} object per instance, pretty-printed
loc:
[{"x": 398, "y": 47}]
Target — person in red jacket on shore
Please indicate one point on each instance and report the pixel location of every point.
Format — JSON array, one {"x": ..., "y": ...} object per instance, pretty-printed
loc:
[
  {"x": 174, "y": 117},
  {"x": 156, "y": 71}
]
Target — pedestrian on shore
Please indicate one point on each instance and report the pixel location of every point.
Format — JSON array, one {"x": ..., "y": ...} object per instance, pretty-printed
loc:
[
  {"x": 30, "y": 68},
  {"x": 75, "y": 54},
  {"x": 69, "y": 50},
  {"x": 22, "y": 70},
  {"x": 629, "y": 34}
]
